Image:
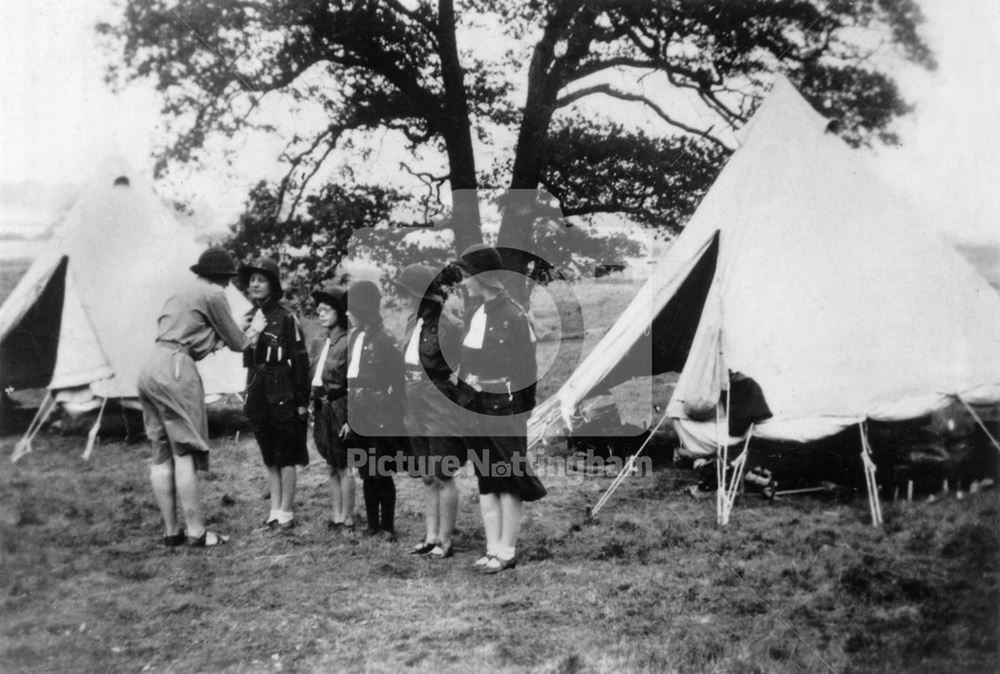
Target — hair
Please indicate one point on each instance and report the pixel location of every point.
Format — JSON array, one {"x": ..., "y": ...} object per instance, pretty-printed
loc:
[
  {"x": 340, "y": 311},
  {"x": 271, "y": 290},
  {"x": 218, "y": 279}
]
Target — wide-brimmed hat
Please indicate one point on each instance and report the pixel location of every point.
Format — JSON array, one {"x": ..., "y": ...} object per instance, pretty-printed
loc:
[
  {"x": 480, "y": 260},
  {"x": 267, "y": 267},
  {"x": 416, "y": 280},
  {"x": 333, "y": 295},
  {"x": 215, "y": 261},
  {"x": 364, "y": 299}
]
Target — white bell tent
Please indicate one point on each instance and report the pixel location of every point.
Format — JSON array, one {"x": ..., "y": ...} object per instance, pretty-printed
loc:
[
  {"x": 802, "y": 270},
  {"x": 82, "y": 319}
]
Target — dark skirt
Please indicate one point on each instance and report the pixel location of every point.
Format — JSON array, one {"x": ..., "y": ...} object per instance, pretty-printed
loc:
[
  {"x": 330, "y": 418},
  {"x": 282, "y": 438},
  {"x": 499, "y": 454}
]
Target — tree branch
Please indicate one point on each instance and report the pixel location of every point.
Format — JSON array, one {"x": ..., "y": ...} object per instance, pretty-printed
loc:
[
  {"x": 608, "y": 90},
  {"x": 433, "y": 183}
]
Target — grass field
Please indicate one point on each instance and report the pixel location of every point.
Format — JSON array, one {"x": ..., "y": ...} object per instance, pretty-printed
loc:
[{"x": 799, "y": 585}]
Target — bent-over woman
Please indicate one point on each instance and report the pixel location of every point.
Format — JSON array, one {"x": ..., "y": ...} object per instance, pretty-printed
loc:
[{"x": 194, "y": 322}]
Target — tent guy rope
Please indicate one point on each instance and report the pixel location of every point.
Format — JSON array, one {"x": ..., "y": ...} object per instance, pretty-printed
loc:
[
  {"x": 625, "y": 471},
  {"x": 979, "y": 421}
]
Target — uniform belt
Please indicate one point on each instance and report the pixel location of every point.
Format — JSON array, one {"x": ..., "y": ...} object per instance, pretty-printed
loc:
[
  {"x": 351, "y": 388},
  {"x": 174, "y": 346},
  {"x": 413, "y": 376},
  {"x": 497, "y": 380}
]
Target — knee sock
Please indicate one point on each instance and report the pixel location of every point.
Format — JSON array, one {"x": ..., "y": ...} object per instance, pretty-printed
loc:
[
  {"x": 370, "y": 488},
  {"x": 388, "y": 502}
]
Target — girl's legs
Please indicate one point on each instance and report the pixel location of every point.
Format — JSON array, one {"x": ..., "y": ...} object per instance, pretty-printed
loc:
[
  {"x": 432, "y": 512},
  {"x": 512, "y": 511},
  {"x": 336, "y": 497},
  {"x": 274, "y": 488},
  {"x": 489, "y": 506},
  {"x": 288, "y": 476},
  {"x": 387, "y": 502},
  {"x": 370, "y": 489},
  {"x": 446, "y": 492},
  {"x": 346, "y": 479}
]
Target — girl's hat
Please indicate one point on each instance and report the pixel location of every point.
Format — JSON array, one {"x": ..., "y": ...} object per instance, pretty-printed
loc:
[
  {"x": 363, "y": 299},
  {"x": 416, "y": 279},
  {"x": 480, "y": 259},
  {"x": 335, "y": 296},
  {"x": 215, "y": 261},
  {"x": 267, "y": 267}
]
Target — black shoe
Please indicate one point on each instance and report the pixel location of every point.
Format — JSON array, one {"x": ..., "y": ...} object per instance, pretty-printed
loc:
[
  {"x": 177, "y": 539},
  {"x": 369, "y": 532}
]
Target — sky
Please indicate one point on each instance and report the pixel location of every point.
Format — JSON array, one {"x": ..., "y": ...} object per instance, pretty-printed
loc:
[{"x": 57, "y": 118}]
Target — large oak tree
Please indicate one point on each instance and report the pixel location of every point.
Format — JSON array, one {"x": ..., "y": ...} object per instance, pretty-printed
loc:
[{"x": 372, "y": 65}]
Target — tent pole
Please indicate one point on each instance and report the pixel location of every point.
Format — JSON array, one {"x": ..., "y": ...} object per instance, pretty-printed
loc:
[
  {"x": 979, "y": 421},
  {"x": 721, "y": 446},
  {"x": 23, "y": 445},
  {"x": 626, "y": 469},
  {"x": 739, "y": 465},
  {"x": 92, "y": 435},
  {"x": 868, "y": 465}
]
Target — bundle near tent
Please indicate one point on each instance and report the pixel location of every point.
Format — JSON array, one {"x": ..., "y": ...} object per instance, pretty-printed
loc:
[
  {"x": 804, "y": 272},
  {"x": 82, "y": 319}
]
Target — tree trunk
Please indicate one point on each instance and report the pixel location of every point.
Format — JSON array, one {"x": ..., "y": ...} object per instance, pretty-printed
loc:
[
  {"x": 517, "y": 222},
  {"x": 457, "y": 132}
]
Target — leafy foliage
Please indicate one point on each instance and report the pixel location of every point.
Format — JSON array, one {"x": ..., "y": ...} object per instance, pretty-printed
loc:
[
  {"x": 310, "y": 245},
  {"x": 349, "y": 68}
]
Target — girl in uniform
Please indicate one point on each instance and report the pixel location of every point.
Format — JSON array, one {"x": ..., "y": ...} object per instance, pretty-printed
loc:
[
  {"x": 498, "y": 373},
  {"x": 375, "y": 406},
  {"x": 435, "y": 435},
  {"x": 329, "y": 387},
  {"x": 277, "y": 389}
]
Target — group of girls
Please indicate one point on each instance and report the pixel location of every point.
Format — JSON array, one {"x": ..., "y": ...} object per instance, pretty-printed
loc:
[{"x": 449, "y": 393}]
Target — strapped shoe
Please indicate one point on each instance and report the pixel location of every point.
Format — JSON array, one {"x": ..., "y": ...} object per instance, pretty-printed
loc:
[
  {"x": 208, "y": 539},
  {"x": 422, "y": 548},
  {"x": 440, "y": 552},
  {"x": 496, "y": 565},
  {"x": 482, "y": 561}
]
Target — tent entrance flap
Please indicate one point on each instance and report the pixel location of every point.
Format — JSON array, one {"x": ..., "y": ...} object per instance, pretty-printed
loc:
[
  {"x": 667, "y": 343},
  {"x": 28, "y": 352}
]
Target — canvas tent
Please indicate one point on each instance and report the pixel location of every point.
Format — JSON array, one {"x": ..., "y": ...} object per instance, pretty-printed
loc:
[
  {"x": 83, "y": 318},
  {"x": 802, "y": 270}
]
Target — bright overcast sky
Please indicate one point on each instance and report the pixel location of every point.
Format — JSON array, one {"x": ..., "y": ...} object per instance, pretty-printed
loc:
[{"x": 57, "y": 118}]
